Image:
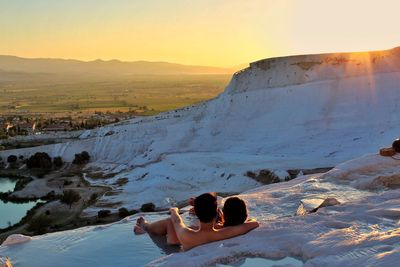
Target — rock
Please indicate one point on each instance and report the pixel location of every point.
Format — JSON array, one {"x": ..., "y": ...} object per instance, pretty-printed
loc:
[
  {"x": 103, "y": 213},
  {"x": 313, "y": 204},
  {"x": 123, "y": 212},
  {"x": 389, "y": 181},
  {"x": 109, "y": 133},
  {"x": 16, "y": 239},
  {"x": 5, "y": 262},
  {"x": 148, "y": 207}
]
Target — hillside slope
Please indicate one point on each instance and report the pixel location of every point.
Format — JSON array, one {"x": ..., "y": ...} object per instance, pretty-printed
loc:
[
  {"x": 279, "y": 114},
  {"x": 362, "y": 229}
]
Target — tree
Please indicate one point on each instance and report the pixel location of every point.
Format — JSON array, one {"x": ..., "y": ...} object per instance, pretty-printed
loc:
[
  {"x": 12, "y": 159},
  {"x": 85, "y": 155},
  {"x": 40, "y": 160},
  {"x": 81, "y": 158},
  {"x": 58, "y": 162},
  {"x": 39, "y": 224},
  {"x": 69, "y": 197}
]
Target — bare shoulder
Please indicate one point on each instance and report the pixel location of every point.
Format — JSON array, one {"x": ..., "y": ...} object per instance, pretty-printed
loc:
[
  {"x": 190, "y": 238},
  {"x": 186, "y": 235}
]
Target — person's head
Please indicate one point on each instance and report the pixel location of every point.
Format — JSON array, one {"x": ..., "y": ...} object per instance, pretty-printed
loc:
[
  {"x": 235, "y": 211},
  {"x": 396, "y": 145},
  {"x": 205, "y": 207}
]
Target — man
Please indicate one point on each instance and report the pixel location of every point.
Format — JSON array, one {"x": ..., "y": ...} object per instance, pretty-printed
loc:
[{"x": 205, "y": 207}]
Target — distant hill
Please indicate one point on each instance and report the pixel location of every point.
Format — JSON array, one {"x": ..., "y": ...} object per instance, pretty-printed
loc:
[{"x": 101, "y": 67}]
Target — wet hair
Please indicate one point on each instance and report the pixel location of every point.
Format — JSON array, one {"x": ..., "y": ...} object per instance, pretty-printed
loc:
[
  {"x": 205, "y": 207},
  {"x": 235, "y": 211}
]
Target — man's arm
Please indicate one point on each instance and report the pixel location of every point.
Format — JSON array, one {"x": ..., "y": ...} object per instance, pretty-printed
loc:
[
  {"x": 180, "y": 228},
  {"x": 232, "y": 231}
]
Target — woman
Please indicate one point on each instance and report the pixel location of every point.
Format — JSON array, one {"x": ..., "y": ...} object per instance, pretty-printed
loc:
[{"x": 234, "y": 211}]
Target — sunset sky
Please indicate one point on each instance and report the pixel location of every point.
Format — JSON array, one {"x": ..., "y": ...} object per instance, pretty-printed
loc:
[{"x": 204, "y": 32}]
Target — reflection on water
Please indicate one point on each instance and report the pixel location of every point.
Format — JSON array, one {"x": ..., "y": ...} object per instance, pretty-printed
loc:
[
  {"x": 252, "y": 262},
  {"x": 12, "y": 213}
]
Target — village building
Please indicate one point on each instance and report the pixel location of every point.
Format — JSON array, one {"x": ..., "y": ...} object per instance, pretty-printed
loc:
[
  {"x": 26, "y": 127},
  {"x": 57, "y": 127}
]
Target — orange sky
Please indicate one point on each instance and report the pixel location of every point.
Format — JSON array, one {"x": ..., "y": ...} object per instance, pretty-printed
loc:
[{"x": 197, "y": 32}]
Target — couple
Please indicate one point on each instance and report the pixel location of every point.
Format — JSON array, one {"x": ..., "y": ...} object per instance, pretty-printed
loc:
[{"x": 232, "y": 222}]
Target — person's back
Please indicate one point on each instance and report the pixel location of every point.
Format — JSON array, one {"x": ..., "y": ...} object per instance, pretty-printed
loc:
[{"x": 206, "y": 210}]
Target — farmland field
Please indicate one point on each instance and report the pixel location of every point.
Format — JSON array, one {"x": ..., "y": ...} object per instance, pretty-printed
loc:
[{"x": 40, "y": 93}]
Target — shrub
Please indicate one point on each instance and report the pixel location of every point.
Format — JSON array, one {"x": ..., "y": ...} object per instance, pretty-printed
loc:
[
  {"x": 85, "y": 155},
  {"x": 40, "y": 160},
  {"x": 131, "y": 212},
  {"x": 103, "y": 213},
  {"x": 40, "y": 173},
  {"x": 81, "y": 158},
  {"x": 50, "y": 196},
  {"x": 39, "y": 224},
  {"x": 67, "y": 182},
  {"x": 12, "y": 159},
  {"x": 123, "y": 212},
  {"x": 264, "y": 176},
  {"x": 251, "y": 174},
  {"x": 148, "y": 207},
  {"x": 93, "y": 198},
  {"x": 58, "y": 162},
  {"x": 268, "y": 177},
  {"x": 69, "y": 197}
]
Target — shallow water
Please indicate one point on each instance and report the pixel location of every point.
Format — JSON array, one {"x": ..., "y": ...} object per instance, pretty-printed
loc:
[
  {"x": 112, "y": 245},
  {"x": 11, "y": 213},
  {"x": 253, "y": 262},
  {"x": 7, "y": 185}
]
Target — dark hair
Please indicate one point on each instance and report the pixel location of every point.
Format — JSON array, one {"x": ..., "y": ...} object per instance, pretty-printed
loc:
[
  {"x": 396, "y": 145},
  {"x": 235, "y": 211},
  {"x": 205, "y": 207}
]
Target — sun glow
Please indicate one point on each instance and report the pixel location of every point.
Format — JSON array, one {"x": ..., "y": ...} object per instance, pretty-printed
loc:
[{"x": 219, "y": 33}]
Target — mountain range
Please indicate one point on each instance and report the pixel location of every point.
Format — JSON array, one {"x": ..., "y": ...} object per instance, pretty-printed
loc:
[{"x": 101, "y": 67}]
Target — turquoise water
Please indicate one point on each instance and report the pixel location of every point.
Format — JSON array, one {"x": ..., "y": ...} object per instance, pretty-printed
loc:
[
  {"x": 12, "y": 213},
  {"x": 112, "y": 245},
  {"x": 254, "y": 262},
  {"x": 109, "y": 245}
]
